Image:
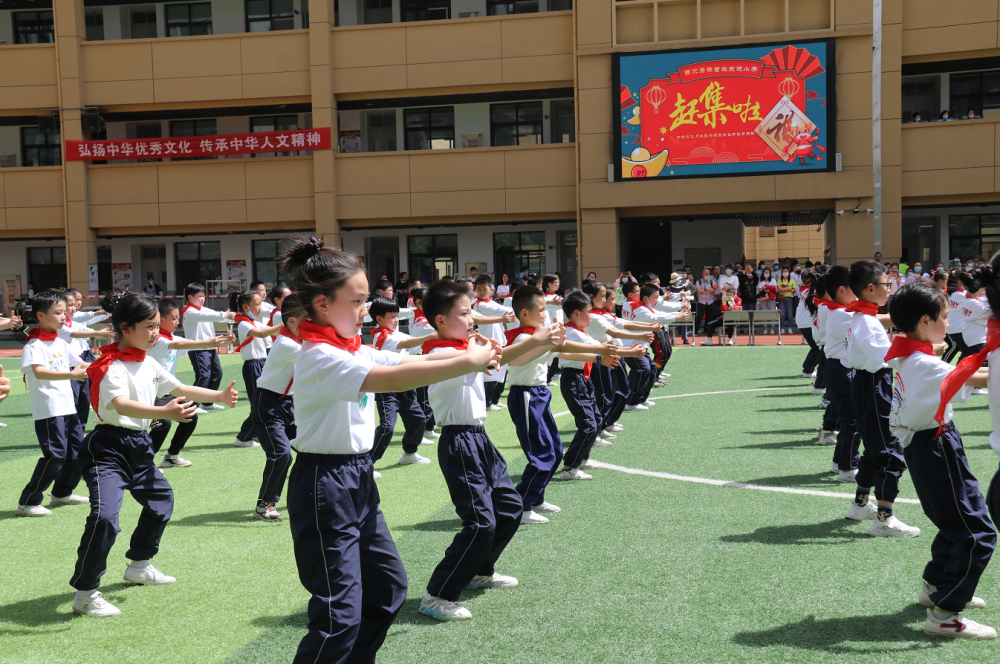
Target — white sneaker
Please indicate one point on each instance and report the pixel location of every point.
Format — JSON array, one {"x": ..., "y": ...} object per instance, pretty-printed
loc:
[
  {"x": 245, "y": 443},
  {"x": 442, "y": 609},
  {"x": 502, "y": 405},
  {"x": 426, "y": 441},
  {"x": 957, "y": 626},
  {"x": 266, "y": 512},
  {"x": 732, "y": 341},
  {"x": 531, "y": 517},
  {"x": 174, "y": 461},
  {"x": 71, "y": 499},
  {"x": 638, "y": 407},
  {"x": 818, "y": 391},
  {"x": 847, "y": 476},
  {"x": 708, "y": 342},
  {"x": 664, "y": 375},
  {"x": 32, "y": 510},
  {"x": 547, "y": 507},
  {"x": 601, "y": 442},
  {"x": 409, "y": 459},
  {"x": 980, "y": 390},
  {"x": 493, "y": 407},
  {"x": 835, "y": 469},
  {"x": 200, "y": 411},
  {"x": 648, "y": 403},
  {"x": 587, "y": 465},
  {"x": 607, "y": 436},
  {"x": 865, "y": 512},
  {"x": 892, "y": 527},
  {"x": 827, "y": 437},
  {"x": 147, "y": 576},
  {"x": 805, "y": 375},
  {"x": 493, "y": 581},
  {"x": 93, "y": 604},
  {"x": 431, "y": 433},
  {"x": 376, "y": 475},
  {"x": 574, "y": 474},
  {"x": 3, "y": 425},
  {"x": 615, "y": 428},
  {"x": 216, "y": 406},
  {"x": 660, "y": 383},
  {"x": 925, "y": 597}
]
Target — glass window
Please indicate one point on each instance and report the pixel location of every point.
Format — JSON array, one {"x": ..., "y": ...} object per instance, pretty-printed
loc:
[
  {"x": 34, "y": 28},
  {"x": 378, "y": 11},
  {"x": 197, "y": 262},
  {"x": 47, "y": 267},
  {"x": 143, "y": 24},
  {"x": 94, "y": 22},
  {"x": 563, "y": 121},
  {"x": 505, "y": 7},
  {"x": 516, "y": 123},
  {"x": 189, "y": 19},
  {"x": 39, "y": 148},
  {"x": 275, "y": 123},
  {"x": 381, "y": 131},
  {"x": 432, "y": 256},
  {"x": 430, "y": 128},
  {"x": 265, "y": 252},
  {"x": 270, "y": 15},
  {"x": 979, "y": 91},
  {"x": 514, "y": 251},
  {"x": 425, "y": 10},
  {"x": 182, "y": 128}
]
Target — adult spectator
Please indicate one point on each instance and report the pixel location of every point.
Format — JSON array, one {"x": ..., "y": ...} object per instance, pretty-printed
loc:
[
  {"x": 524, "y": 272},
  {"x": 971, "y": 115},
  {"x": 896, "y": 281},
  {"x": 503, "y": 288},
  {"x": 675, "y": 287},
  {"x": 916, "y": 118},
  {"x": 152, "y": 289},
  {"x": 760, "y": 268},
  {"x": 918, "y": 271},
  {"x": 945, "y": 116},
  {"x": 728, "y": 280},
  {"x": 748, "y": 287},
  {"x": 878, "y": 257},
  {"x": 767, "y": 293},
  {"x": 705, "y": 289},
  {"x": 785, "y": 298}
]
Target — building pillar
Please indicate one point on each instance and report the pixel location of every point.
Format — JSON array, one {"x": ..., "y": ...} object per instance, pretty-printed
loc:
[
  {"x": 81, "y": 241},
  {"x": 892, "y": 116},
  {"x": 599, "y": 244},
  {"x": 324, "y": 112}
]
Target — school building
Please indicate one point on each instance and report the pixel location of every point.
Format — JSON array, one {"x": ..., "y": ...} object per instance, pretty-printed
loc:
[{"x": 495, "y": 134}]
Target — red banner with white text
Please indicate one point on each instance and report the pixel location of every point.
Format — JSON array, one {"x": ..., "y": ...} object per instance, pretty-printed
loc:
[{"x": 199, "y": 146}]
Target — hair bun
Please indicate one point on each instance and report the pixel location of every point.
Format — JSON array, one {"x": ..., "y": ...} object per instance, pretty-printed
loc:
[
  {"x": 312, "y": 247},
  {"x": 111, "y": 300}
]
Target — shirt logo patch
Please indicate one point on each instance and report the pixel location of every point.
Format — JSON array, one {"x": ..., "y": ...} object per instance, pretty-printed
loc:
[{"x": 363, "y": 402}]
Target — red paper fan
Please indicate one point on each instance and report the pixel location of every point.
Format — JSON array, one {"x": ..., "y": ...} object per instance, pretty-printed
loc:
[
  {"x": 626, "y": 98},
  {"x": 791, "y": 58}
]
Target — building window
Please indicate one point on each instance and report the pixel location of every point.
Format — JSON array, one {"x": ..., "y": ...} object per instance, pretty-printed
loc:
[
  {"x": 34, "y": 27},
  {"x": 143, "y": 24},
  {"x": 505, "y": 7},
  {"x": 197, "y": 262},
  {"x": 275, "y": 123},
  {"x": 94, "y": 21},
  {"x": 39, "y": 148},
  {"x": 264, "y": 254},
  {"x": 381, "y": 131},
  {"x": 425, "y": 10},
  {"x": 184, "y": 128},
  {"x": 977, "y": 90},
  {"x": 563, "y": 122},
  {"x": 972, "y": 235},
  {"x": 430, "y": 128},
  {"x": 560, "y": 5},
  {"x": 104, "y": 268},
  {"x": 514, "y": 251},
  {"x": 189, "y": 20},
  {"x": 47, "y": 267},
  {"x": 270, "y": 15},
  {"x": 432, "y": 256},
  {"x": 516, "y": 124},
  {"x": 378, "y": 11}
]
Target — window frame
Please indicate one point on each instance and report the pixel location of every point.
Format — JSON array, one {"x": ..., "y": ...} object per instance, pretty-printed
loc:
[
  {"x": 271, "y": 17},
  {"x": 523, "y": 256},
  {"x": 492, "y": 5},
  {"x": 517, "y": 123},
  {"x": 51, "y": 266},
  {"x": 49, "y": 138},
  {"x": 275, "y": 118},
  {"x": 180, "y": 266},
  {"x": 434, "y": 255},
  {"x": 423, "y": 8},
  {"x": 430, "y": 127},
  {"x": 189, "y": 23},
  {"x": 15, "y": 21},
  {"x": 288, "y": 279}
]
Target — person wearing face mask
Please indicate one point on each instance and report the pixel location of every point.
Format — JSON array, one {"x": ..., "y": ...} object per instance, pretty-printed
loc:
[
  {"x": 918, "y": 271},
  {"x": 728, "y": 280},
  {"x": 760, "y": 268},
  {"x": 895, "y": 279},
  {"x": 767, "y": 292},
  {"x": 786, "y": 300},
  {"x": 748, "y": 287},
  {"x": 945, "y": 115}
]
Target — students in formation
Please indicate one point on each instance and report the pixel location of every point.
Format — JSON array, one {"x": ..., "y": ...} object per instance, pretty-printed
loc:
[
  {"x": 198, "y": 323},
  {"x": 254, "y": 339}
]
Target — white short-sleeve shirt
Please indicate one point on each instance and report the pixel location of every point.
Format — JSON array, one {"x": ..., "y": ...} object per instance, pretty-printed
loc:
[
  {"x": 956, "y": 321},
  {"x": 976, "y": 312},
  {"x": 599, "y": 326},
  {"x": 141, "y": 382},
  {"x": 199, "y": 322},
  {"x": 838, "y": 325},
  {"x": 994, "y": 401},
  {"x": 49, "y": 398},
  {"x": 573, "y": 334},
  {"x": 460, "y": 400},
  {"x": 531, "y": 374},
  {"x": 279, "y": 368},
  {"x": 420, "y": 328},
  {"x": 165, "y": 355},
  {"x": 819, "y": 329},
  {"x": 256, "y": 349},
  {"x": 332, "y": 414},
  {"x": 867, "y": 344},
  {"x": 916, "y": 394},
  {"x": 803, "y": 319},
  {"x": 390, "y": 342}
]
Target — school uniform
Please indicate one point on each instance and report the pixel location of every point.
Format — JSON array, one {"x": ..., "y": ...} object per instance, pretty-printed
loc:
[
  {"x": 392, "y": 405},
  {"x": 53, "y": 408},
  {"x": 822, "y": 311},
  {"x": 81, "y": 390},
  {"x": 420, "y": 327},
  {"x": 577, "y": 390},
  {"x": 610, "y": 384},
  {"x": 839, "y": 376},
  {"x": 253, "y": 350},
  {"x": 476, "y": 474},
  {"x": 159, "y": 429},
  {"x": 975, "y": 312},
  {"x": 993, "y": 495},
  {"x": 881, "y": 465},
  {"x": 663, "y": 348},
  {"x": 273, "y": 413},
  {"x": 199, "y": 324},
  {"x": 553, "y": 314},
  {"x": 116, "y": 457},
  {"x": 528, "y": 401},
  {"x": 640, "y": 369},
  {"x": 645, "y": 373},
  {"x": 494, "y": 382},
  {"x": 343, "y": 550},
  {"x": 274, "y": 319},
  {"x": 804, "y": 322},
  {"x": 948, "y": 491},
  {"x": 956, "y": 326},
  {"x": 264, "y": 317}
]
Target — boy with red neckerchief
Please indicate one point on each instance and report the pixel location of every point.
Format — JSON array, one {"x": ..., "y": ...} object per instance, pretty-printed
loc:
[
  {"x": 921, "y": 417},
  {"x": 881, "y": 465},
  {"x": 198, "y": 322},
  {"x": 485, "y": 306},
  {"x": 643, "y": 310},
  {"x": 420, "y": 327}
]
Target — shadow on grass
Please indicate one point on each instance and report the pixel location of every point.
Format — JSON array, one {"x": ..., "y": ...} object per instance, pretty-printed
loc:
[
  {"x": 774, "y": 431},
  {"x": 797, "y": 377},
  {"x": 854, "y": 635},
  {"x": 789, "y": 410},
  {"x": 821, "y": 479},
  {"x": 837, "y": 531},
  {"x": 785, "y": 392},
  {"x": 22, "y": 448},
  {"x": 234, "y": 518},
  {"x": 42, "y": 611},
  {"x": 784, "y": 445},
  {"x": 439, "y": 526}
]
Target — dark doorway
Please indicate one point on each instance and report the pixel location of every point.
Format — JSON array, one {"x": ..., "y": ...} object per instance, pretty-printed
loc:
[{"x": 646, "y": 247}]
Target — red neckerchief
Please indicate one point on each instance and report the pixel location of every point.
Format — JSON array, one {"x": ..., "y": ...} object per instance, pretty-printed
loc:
[
  {"x": 285, "y": 332},
  {"x": 431, "y": 344},
  {"x": 601, "y": 311},
  {"x": 186, "y": 307},
  {"x": 97, "y": 370},
  {"x": 954, "y": 381},
  {"x": 324, "y": 334},
  {"x": 829, "y": 304},
  {"x": 379, "y": 336},
  {"x": 418, "y": 317},
  {"x": 168, "y": 337},
  {"x": 863, "y": 307},
  {"x": 68, "y": 324},
  {"x": 588, "y": 367},
  {"x": 480, "y": 301},
  {"x": 243, "y": 318},
  {"x": 39, "y": 333},
  {"x": 904, "y": 347},
  {"x": 512, "y": 334},
  {"x": 270, "y": 322},
  {"x": 970, "y": 297}
]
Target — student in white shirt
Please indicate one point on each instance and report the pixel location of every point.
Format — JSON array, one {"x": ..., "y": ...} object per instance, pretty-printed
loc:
[
  {"x": 273, "y": 409},
  {"x": 165, "y": 350},
  {"x": 553, "y": 314},
  {"x": 419, "y": 327},
  {"x": 956, "y": 321},
  {"x": 49, "y": 365},
  {"x": 266, "y": 307},
  {"x": 881, "y": 466},
  {"x": 662, "y": 347},
  {"x": 484, "y": 305},
  {"x": 921, "y": 417},
  {"x": 345, "y": 555},
  {"x": 277, "y": 296},
  {"x": 804, "y": 322},
  {"x": 974, "y": 310},
  {"x": 644, "y": 310},
  {"x": 474, "y": 470},
  {"x": 198, "y": 323},
  {"x": 252, "y": 336},
  {"x": 118, "y": 455},
  {"x": 78, "y": 334}
]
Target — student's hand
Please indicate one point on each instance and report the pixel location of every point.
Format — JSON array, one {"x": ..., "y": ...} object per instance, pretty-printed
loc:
[
  {"x": 498, "y": 348},
  {"x": 611, "y": 362},
  {"x": 562, "y": 334},
  {"x": 648, "y": 337},
  {"x": 224, "y": 340},
  {"x": 179, "y": 410},
  {"x": 608, "y": 349},
  {"x": 79, "y": 372},
  {"x": 939, "y": 348},
  {"x": 658, "y": 327},
  {"x": 4, "y": 385},
  {"x": 547, "y": 336},
  {"x": 230, "y": 395},
  {"x": 230, "y": 315},
  {"x": 509, "y": 317},
  {"x": 106, "y": 333},
  {"x": 480, "y": 355}
]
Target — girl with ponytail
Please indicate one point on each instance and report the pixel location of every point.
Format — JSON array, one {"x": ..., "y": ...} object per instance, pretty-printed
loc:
[
  {"x": 254, "y": 337},
  {"x": 956, "y": 324},
  {"x": 975, "y": 310}
]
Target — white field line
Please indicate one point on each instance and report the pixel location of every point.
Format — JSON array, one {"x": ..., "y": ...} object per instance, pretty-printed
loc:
[{"x": 702, "y": 394}]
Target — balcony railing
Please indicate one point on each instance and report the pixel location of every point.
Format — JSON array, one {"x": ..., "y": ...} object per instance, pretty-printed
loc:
[
  {"x": 31, "y": 198},
  {"x": 950, "y": 158},
  {"x": 28, "y": 76}
]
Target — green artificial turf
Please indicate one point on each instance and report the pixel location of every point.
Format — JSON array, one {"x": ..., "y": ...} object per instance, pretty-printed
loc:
[{"x": 635, "y": 569}]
